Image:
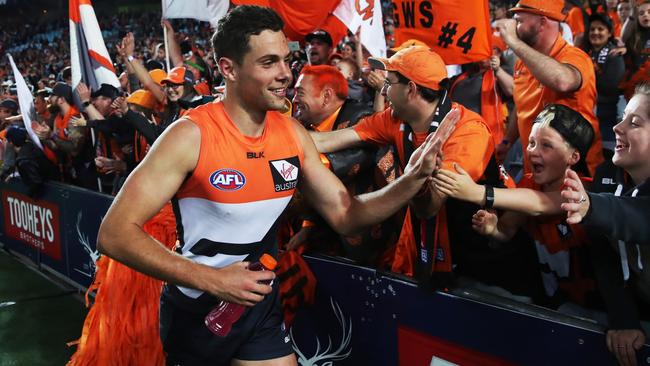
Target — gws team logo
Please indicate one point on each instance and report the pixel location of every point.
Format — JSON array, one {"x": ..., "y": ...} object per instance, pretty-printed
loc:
[
  {"x": 93, "y": 254},
  {"x": 285, "y": 173},
  {"x": 227, "y": 179}
]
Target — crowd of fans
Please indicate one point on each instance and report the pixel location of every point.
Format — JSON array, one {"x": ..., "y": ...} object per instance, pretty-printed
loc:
[{"x": 96, "y": 142}]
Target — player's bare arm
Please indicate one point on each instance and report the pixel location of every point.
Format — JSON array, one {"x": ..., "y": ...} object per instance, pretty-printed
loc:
[{"x": 347, "y": 213}]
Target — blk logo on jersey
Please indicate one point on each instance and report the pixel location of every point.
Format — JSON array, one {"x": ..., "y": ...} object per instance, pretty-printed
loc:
[
  {"x": 227, "y": 179},
  {"x": 254, "y": 155},
  {"x": 285, "y": 173}
]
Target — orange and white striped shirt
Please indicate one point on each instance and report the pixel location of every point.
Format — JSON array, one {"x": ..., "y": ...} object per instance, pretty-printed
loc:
[{"x": 227, "y": 210}]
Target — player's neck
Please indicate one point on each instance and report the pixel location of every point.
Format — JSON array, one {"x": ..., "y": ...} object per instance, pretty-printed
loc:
[{"x": 249, "y": 121}]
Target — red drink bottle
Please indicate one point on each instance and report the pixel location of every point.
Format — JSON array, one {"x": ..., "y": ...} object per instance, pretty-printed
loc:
[{"x": 220, "y": 319}]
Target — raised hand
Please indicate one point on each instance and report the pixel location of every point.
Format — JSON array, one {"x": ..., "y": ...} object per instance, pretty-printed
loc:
[
  {"x": 423, "y": 161},
  {"x": 128, "y": 42},
  {"x": 120, "y": 105},
  {"x": 507, "y": 29},
  {"x": 83, "y": 92},
  {"x": 166, "y": 24},
  {"x": 121, "y": 51},
  {"x": 78, "y": 121},
  {"x": 376, "y": 79},
  {"x": 235, "y": 283},
  {"x": 484, "y": 222},
  {"x": 577, "y": 204}
]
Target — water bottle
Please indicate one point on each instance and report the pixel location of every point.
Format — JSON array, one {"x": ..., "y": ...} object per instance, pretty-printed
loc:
[{"x": 220, "y": 319}]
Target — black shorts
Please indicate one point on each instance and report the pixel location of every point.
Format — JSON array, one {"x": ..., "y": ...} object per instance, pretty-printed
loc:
[{"x": 259, "y": 334}]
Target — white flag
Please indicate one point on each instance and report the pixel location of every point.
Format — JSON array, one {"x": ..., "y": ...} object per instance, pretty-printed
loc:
[
  {"x": 89, "y": 58},
  {"x": 204, "y": 10},
  {"x": 26, "y": 102},
  {"x": 367, "y": 15}
]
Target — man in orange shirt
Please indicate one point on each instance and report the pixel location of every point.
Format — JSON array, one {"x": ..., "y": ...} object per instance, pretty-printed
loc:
[
  {"x": 434, "y": 227},
  {"x": 548, "y": 71}
]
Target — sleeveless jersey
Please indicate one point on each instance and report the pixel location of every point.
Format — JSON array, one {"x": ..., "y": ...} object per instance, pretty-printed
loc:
[{"x": 227, "y": 210}]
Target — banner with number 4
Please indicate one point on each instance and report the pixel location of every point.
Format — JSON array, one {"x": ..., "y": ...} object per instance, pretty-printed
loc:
[{"x": 458, "y": 30}]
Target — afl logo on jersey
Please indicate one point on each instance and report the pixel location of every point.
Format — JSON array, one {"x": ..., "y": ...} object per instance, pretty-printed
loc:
[{"x": 227, "y": 179}]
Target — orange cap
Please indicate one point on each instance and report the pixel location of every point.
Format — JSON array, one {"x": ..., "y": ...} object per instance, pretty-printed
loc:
[
  {"x": 549, "y": 8},
  {"x": 268, "y": 262},
  {"x": 333, "y": 56},
  {"x": 158, "y": 75},
  {"x": 417, "y": 63},
  {"x": 143, "y": 98},
  {"x": 179, "y": 75},
  {"x": 409, "y": 43}
]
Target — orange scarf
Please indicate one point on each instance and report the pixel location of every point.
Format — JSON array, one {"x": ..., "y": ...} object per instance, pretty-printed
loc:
[
  {"x": 122, "y": 326},
  {"x": 61, "y": 122}
]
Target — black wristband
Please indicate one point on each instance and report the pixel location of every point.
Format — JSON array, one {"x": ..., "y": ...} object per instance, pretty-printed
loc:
[
  {"x": 489, "y": 196},
  {"x": 85, "y": 104}
]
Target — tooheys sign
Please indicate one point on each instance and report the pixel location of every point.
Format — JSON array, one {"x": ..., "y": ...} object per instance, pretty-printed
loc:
[
  {"x": 35, "y": 223},
  {"x": 458, "y": 30}
]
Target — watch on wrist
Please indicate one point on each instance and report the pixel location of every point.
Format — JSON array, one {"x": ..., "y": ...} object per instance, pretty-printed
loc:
[
  {"x": 85, "y": 104},
  {"x": 130, "y": 58},
  {"x": 489, "y": 196}
]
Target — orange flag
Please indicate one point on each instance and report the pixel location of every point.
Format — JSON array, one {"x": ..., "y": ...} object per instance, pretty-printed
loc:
[
  {"x": 301, "y": 17},
  {"x": 458, "y": 30}
]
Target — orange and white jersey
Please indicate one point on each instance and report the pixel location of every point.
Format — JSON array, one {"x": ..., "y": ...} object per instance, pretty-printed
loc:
[{"x": 227, "y": 210}]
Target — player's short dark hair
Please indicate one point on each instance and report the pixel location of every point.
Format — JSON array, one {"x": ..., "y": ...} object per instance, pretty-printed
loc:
[{"x": 233, "y": 33}]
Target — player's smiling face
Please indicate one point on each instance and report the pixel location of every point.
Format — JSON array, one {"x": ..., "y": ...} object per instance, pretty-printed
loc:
[{"x": 264, "y": 74}]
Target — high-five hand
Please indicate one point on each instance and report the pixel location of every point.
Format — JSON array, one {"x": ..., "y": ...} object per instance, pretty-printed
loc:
[{"x": 424, "y": 160}]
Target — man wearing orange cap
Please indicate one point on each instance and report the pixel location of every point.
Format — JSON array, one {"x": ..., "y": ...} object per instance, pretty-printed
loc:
[
  {"x": 416, "y": 88},
  {"x": 548, "y": 71},
  {"x": 138, "y": 74}
]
